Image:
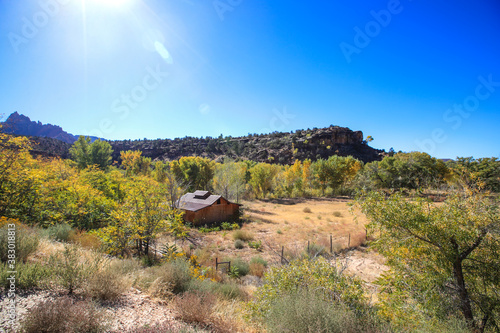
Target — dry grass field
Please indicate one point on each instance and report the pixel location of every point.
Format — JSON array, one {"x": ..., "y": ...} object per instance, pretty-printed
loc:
[{"x": 288, "y": 223}]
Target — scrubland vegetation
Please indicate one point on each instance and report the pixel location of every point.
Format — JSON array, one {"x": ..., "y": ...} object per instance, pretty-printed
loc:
[{"x": 90, "y": 231}]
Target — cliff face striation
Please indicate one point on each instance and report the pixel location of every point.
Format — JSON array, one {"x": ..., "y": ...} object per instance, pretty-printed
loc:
[{"x": 277, "y": 147}]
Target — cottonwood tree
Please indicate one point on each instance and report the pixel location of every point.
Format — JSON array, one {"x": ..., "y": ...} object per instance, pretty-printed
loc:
[
  {"x": 86, "y": 154},
  {"x": 16, "y": 181},
  {"x": 229, "y": 179},
  {"x": 445, "y": 258}
]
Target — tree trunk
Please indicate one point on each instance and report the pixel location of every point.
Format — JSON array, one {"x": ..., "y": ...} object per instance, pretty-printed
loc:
[
  {"x": 465, "y": 304},
  {"x": 146, "y": 246}
]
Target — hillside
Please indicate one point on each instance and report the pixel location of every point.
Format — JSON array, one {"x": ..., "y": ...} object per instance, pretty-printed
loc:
[
  {"x": 277, "y": 147},
  {"x": 20, "y": 124}
]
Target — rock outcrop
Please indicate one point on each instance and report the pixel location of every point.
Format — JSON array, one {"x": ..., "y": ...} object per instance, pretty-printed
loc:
[{"x": 277, "y": 147}]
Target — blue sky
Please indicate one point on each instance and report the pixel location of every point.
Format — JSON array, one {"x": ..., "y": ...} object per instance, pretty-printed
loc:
[{"x": 415, "y": 75}]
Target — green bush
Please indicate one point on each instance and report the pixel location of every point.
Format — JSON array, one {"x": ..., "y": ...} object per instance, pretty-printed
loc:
[
  {"x": 227, "y": 290},
  {"x": 317, "y": 274},
  {"x": 258, "y": 260},
  {"x": 173, "y": 277},
  {"x": 26, "y": 242},
  {"x": 64, "y": 316},
  {"x": 306, "y": 311},
  {"x": 239, "y": 244},
  {"x": 59, "y": 232},
  {"x": 29, "y": 276},
  {"x": 70, "y": 269},
  {"x": 242, "y": 235},
  {"x": 255, "y": 245},
  {"x": 226, "y": 226},
  {"x": 240, "y": 265}
]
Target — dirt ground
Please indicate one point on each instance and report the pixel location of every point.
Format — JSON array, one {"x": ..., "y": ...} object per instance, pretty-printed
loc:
[{"x": 288, "y": 225}]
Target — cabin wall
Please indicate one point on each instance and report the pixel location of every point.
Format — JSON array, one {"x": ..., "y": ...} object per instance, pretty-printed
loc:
[{"x": 222, "y": 212}]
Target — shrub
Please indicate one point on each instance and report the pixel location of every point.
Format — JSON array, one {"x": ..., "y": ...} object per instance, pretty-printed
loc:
[
  {"x": 257, "y": 269},
  {"x": 70, "y": 269},
  {"x": 258, "y": 260},
  {"x": 227, "y": 290},
  {"x": 242, "y": 266},
  {"x": 314, "y": 250},
  {"x": 239, "y": 244},
  {"x": 337, "y": 214},
  {"x": 195, "y": 307},
  {"x": 307, "y": 210},
  {"x": 105, "y": 285},
  {"x": 255, "y": 245},
  {"x": 226, "y": 226},
  {"x": 26, "y": 242},
  {"x": 124, "y": 266},
  {"x": 311, "y": 274},
  {"x": 64, "y": 316},
  {"x": 242, "y": 235},
  {"x": 29, "y": 275},
  {"x": 59, "y": 232},
  {"x": 172, "y": 277},
  {"x": 306, "y": 311}
]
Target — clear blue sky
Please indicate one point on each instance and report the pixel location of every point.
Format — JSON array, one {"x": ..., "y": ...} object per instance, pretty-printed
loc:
[{"x": 415, "y": 75}]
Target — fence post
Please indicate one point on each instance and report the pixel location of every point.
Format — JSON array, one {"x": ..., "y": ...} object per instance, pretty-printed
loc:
[
  {"x": 216, "y": 264},
  {"x": 349, "y": 242},
  {"x": 307, "y": 246},
  {"x": 331, "y": 244},
  {"x": 282, "y": 252}
]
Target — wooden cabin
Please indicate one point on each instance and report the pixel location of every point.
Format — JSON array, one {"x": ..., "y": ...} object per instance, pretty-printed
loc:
[{"x": 203, "y": 207}]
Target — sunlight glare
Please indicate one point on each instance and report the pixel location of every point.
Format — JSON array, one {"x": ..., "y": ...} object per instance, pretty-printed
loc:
[
  {"x": 163, "y": 52},
  {"x": 114, "y": 3}
]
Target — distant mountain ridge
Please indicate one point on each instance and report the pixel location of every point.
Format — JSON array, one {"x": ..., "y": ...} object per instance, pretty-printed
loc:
[
  {"x": 20, "y": 124},
  {"x": 277, "y": 147}
]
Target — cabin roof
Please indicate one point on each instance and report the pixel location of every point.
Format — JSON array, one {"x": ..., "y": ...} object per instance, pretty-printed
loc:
[{"x": 197, "y": 200}]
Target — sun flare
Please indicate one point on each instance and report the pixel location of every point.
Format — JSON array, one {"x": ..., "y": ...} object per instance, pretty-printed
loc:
[{"x": 113, "y": 3}]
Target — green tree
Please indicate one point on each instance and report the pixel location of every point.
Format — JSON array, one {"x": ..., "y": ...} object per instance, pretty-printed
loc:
[
  {"x": 261, "y": 179},
  {"x": 445, "y": 258},
  {"x": 195, "y": 173},
  {"x": 17, "y": 181},
  {"x": 483, "y": 172},
  {"x": 406, "y": 170},
  {"x": 86, "y": 154},
  {"x": 229, "y": 179}
]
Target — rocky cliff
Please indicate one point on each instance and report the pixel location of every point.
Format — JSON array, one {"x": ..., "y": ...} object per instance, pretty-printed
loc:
[
  {"x": 277, "y": 147},
  {"x": 281, "y": 148}
]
